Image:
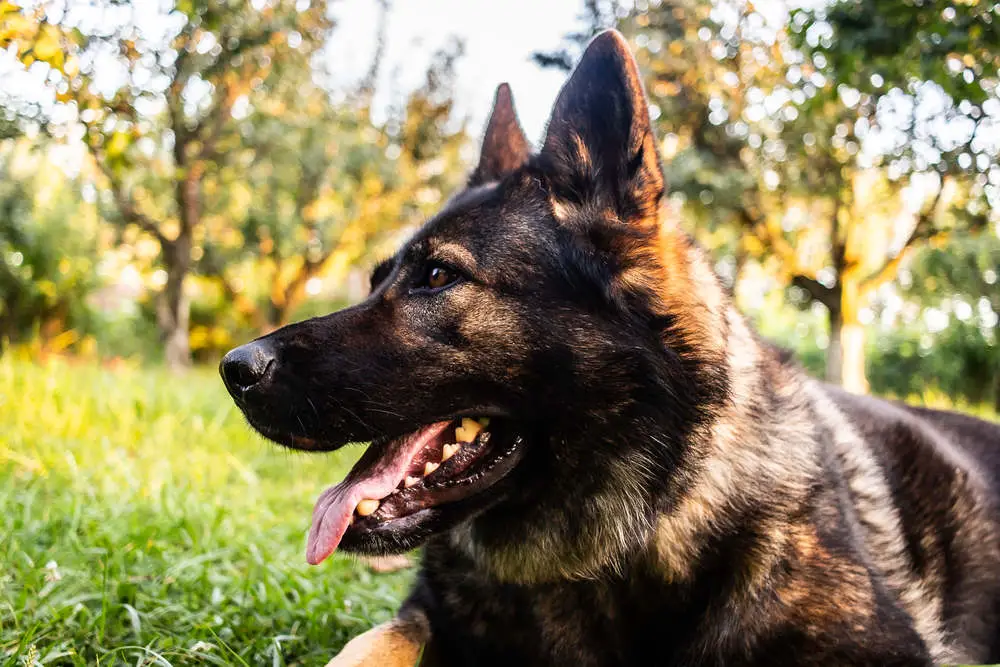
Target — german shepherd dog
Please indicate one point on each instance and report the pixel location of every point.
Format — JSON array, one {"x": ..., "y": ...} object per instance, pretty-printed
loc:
[{"x": 603, "y": 463}]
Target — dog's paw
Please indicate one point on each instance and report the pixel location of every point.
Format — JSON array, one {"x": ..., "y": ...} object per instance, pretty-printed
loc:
[
  {"x": 385, "y": 564},
  {"x": 386, "y": 645}
]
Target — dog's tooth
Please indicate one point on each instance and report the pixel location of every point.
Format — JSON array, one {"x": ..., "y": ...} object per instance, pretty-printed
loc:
[
  {"x": 367, "y": 506},
  {"x": 410, "y": 481},
  {"x": 430, "y": 467},
  {"x": 448, "y": 451},
  {"x": 468, "y": 431}
]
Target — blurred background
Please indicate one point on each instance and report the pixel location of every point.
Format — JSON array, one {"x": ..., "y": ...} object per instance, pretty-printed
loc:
[{"x": 179, "y": 177}]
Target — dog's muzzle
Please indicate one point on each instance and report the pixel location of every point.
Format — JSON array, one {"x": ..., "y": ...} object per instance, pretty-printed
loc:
[{"x": 248, "y": 367}]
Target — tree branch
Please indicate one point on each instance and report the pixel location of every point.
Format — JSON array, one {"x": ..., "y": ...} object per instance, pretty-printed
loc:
[
  {"x": 220, "y": 113},
  {"x": 923, "y": 231},
  {"x": 126, "y": 207},
  {"x": 838, "y": 245},
  {"x": 212, "y": 268},
  {"x": 768, "y": 237},
  {"x": 817, "y": 291},
  {"x": 293, "y": 290},
  {"x": 246, "y": 43}
]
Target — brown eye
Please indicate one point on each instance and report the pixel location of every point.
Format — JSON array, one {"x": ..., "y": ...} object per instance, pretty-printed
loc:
[{"x": 439, "y": 276}]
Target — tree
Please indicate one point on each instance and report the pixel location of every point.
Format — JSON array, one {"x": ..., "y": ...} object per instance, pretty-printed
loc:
[
  {"x": 955, "y": 45},
  {"x": 961, "y": 282},
  {"x": 766, "y": 148},
  {"x": 48, "y": 242},
  {"x": 325, "y": 184},
  {"x": 915, "y": 69},
  {"x": 158, "y": 133}
]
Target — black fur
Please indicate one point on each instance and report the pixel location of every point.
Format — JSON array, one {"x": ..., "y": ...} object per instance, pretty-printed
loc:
[{"x": 685, "y": 495}]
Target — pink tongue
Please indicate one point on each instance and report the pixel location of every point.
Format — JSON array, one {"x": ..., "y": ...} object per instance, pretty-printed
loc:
[{"x": 375, "y": 475}]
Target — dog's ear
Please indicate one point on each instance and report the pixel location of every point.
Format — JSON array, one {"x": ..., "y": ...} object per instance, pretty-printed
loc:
[
  {"x": 505, "y": 148},
  {"x": 599, "y": 146}
]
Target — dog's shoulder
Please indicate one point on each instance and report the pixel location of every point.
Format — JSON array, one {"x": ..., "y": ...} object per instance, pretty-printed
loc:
[
  {"x": 903, "y": 435},
  {"x": 923, "y": 493}
]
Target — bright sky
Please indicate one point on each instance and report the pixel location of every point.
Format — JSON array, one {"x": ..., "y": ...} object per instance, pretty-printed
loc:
[{"x": 499, "y": 40}]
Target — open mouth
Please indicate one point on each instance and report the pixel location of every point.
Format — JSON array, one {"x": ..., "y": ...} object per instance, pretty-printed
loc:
[{"x": 397, "y": 482}]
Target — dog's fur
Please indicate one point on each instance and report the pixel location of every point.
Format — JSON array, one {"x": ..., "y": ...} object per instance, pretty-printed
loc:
[{"x": 687, "y": 496}]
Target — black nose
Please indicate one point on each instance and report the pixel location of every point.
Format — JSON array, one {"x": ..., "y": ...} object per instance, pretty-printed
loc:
[{"x": 247, "y": 366}]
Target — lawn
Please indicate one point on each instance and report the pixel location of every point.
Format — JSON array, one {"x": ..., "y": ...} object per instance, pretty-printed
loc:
[{"x": 141, "y": 522}]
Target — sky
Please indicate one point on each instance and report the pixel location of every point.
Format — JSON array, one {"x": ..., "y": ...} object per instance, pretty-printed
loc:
[{"x": 499, "y": 40}]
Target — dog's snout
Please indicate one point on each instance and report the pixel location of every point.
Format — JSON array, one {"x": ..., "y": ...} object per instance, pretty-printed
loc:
[{"x": 247, "y": 366}]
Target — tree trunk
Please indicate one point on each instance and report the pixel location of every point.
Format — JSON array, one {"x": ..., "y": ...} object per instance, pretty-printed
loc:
[
  {"x": 834, "y": 350},
  {"x": 174, "y": 308},
  {"x": 175, "y": 312},
  {"x": 852, "y": 343},
  {"x": 852, "y": 339}
]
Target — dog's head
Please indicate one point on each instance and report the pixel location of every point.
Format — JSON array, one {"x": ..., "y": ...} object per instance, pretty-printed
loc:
[{"x": 529, "y": 367}]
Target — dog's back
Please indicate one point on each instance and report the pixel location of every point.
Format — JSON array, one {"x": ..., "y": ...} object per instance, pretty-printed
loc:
[
  {"x": 979, "y": 438},
  {"x": 925, "y": 486}
]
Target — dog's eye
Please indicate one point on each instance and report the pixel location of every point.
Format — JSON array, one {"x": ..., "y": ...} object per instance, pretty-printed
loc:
[{"x": 439, "y": 276}]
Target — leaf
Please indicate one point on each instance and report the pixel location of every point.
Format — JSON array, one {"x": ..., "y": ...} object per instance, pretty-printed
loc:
[
  {"x": 117, "y": 144},
  {"x": 47, "y": 47},
  {"x": 14, "y": 27},
  {"x": 8, "y": 8}
]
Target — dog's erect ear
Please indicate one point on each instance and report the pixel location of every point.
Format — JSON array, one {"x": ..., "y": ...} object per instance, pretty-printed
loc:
[
  {"x": 600, "y": 145},
  {"x": 505, "y": 148}
]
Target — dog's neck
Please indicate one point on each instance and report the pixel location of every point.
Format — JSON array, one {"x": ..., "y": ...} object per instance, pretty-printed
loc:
[
  {"x": 729, "y": 458},
  {"x": 737, "y": 462}
]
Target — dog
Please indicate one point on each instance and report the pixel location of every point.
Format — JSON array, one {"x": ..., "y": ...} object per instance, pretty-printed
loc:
[{"x": 603, "y": 462}]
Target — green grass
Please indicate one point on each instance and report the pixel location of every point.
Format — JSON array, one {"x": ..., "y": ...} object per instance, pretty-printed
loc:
[{"x": 141, "y": 522}]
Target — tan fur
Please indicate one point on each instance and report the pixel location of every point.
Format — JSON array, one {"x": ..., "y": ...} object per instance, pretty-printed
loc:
[
  {"x": 687, "y": 290},
  {"x": 560, "y": 210},
  {"x": 616, "y": 528},
  {"x": 735, "y": 458},
  {"x": 453, "y": 253},
  {"x": 877, "y": 512},
  {"x": 849, "y": 597},
  {"x": 582, "y": 154},
  {"x": 396, "y": 643}
]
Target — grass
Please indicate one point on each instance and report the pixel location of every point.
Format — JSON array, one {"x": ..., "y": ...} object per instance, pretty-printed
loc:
[{"x": 141, "y": 522}]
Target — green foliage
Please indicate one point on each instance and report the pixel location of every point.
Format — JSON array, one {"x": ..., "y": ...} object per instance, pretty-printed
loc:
[
  {"x": 774, "y": 158},
  {"x": 159, "y": 135},
  {"x": 923, "y": 67},
  {"x": 967, "y": 268},
  {"x": 48, "y": 246},
  {"x": 961, "y": 362},
  {"x": 140, "y": 518},
  {"x": 320, "y": 186},
  {"x": 954, "y": 44},
  {"x": 959, "y": 281},
  {"x": 958, "y": 365},
  {"x": 223, "y": 146}
]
